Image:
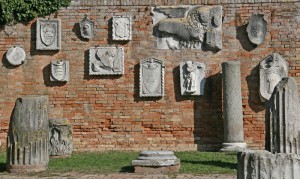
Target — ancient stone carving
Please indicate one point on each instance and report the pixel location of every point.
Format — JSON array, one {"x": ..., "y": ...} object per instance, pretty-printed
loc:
[
  {"x": 121, "y": 28},
  {"x": 28, "y": 135},
  {"x": 15, "y": 55},
  {"x": 106, "y": 61},
  {"x": 156, "y": 162},
  {"x": 265, "y": 165},
  {"x": 60, "y": 137},
  {"x": 192, "y": 78},
  {"x": 257, "y": 28},
  {"x": 59, "y": 70},
  {"x": 271, "y": 71},
  {"x": 86, "y": 28},
  {"x": 48, "y": 34},
  {"x": 151, "y": 77},
  {"x": 192, "y": 27},
  {"x": 282, "y": 118}
]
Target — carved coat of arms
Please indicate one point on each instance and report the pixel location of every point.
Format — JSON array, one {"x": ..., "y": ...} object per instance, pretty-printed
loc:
[
  {"x": 48, "y": 34},
  {"x": 151, "y": 77},
  {"x": 87, "y": 28},
  {"x": 121, "y": 28},
  {"x": 59, "y": 70},
  {"x": 257, "y": 28},
  {"x": 15, "y": 55},
  {"x": 271, "y": 71}
]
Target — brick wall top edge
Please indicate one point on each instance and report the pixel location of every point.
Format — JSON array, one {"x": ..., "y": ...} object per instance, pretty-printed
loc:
[{"x": 169, "y": 2}]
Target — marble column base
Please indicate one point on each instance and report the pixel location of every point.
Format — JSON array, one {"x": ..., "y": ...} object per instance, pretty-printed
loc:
[{"x": 233, "y": 147}]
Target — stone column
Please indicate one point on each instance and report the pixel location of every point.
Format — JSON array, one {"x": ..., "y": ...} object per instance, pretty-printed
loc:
[{"x": 232, "y": 107}]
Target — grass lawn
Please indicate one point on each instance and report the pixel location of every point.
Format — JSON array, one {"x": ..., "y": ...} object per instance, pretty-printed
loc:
[{"x": 116, "y": 161}]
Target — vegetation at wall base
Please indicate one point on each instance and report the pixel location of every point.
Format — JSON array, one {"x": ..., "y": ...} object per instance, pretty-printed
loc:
[{"x": 12, "y": 11}]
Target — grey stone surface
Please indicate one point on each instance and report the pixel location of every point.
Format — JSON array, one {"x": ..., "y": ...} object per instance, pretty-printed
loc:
[
  {"x": 271, "y": 70},
  {"x": 156, "y": 159},
  {"x": 191, "y": 27},
  {"x": 28, "y": 135},
  {"x": 232, "y": 106},
  {"x": 106, "y": 61},
  {"x": 60, "y": 137},
  {"x": 151, "y": 77},
  {"x": 257, "y": 28},
  {"x": 59, "y": 70},
  {"x": 263, "y": 164},
  {"x": 121, "y": 26},
  {"x": 282, "y": 118},
  {"x": 48, "y": 34},
  {"x": 192, "y": 78},
  {"x": 86, "y": 28},
  {"x": 15, "y": 55}
]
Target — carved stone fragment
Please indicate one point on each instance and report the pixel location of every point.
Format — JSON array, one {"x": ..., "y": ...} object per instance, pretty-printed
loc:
[
  {"x": 271, "y": 70},
  {"x": 48, "y": 34},
  {"x": 265, "y": 165},
  {"x": 59, "y": 70},
  {"x": 257, "y": 29},
  {"x": 60, "y": 137},
  {"x": 151, "y": 77},
  {"x": 86, "y": 28},
  {"x": 121, "y": 27},
  {"x": 28, "y": 135},
  {"x": 15, "y": 55},
  {"x": 192, "y": 78},
  {"x": 191, "y": 27},
  {"x": 282, "y": 118},
  {"x": 106, "y": 61}
]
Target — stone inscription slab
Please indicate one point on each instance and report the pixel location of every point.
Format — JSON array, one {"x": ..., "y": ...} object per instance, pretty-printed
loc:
[
  {"x": 121, "y": 28},
  {"x": 48, "y": 34},
  {"x": 86, "y": 28},
  {"x": 192, "y": 78},
  {"x": 106, "y": 61},
  {"x": 151, "y": 77},
  {"x": 15, "y": 55},
  {"x": 59, "y": 70}
]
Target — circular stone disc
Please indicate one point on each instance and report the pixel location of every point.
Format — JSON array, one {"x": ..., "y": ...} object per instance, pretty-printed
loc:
[{"x": 15, "y": 55}]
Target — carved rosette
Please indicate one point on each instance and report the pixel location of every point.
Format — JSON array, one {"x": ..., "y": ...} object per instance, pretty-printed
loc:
[
  {"x": 271, "y": 70},
  {"x": 192, "y": 78},
  {"x": 59, "y": 70},
  {"x": 121, "y": 27},
  {"x": 86, "y": 28},
  {"x": 15, "y": 56},
  {"x": 257, "y": 29},
  {"x": 48, "y": 34},
  {"x": 106, "y": 61},
  {"x": 151, "y": 77}
]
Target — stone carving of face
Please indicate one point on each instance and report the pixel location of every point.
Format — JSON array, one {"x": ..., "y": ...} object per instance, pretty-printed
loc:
[{"x": 122, "y": 28}]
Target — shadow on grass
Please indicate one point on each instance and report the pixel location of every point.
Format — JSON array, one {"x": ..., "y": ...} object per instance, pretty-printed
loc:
[
  {"x": 2, "y": 167},
  {"x": 212, "y": 163},
  {"x": 127, "y": 169}
]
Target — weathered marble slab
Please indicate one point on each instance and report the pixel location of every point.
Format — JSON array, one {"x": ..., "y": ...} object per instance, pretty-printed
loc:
[
  {"x": 28, "y": 135},
  {"x": 151, "y": 77},
  {"x": 48, "y": 34},
  {"x": 59, "y": 70},
  {"x": 257, "y": 28},
  {"x": 15, "y": 55},
  {"x": 192, "y": 78},
  {"x": 86, "y": 28},
  {"x": 156, "y": 159},
  {"x": 106, "y": 61},
  {"x": 188, "y": 27},
  {"x": 60, "y": 137},
  {"x": 121, "y": 26},
  {"x": 271, "y": 70}
]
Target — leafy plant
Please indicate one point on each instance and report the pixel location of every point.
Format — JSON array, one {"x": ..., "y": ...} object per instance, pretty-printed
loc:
[{"x": 12, "y": 11}]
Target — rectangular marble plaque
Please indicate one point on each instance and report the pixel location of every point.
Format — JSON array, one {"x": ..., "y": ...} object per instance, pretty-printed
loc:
[
  {"x": 48, "y": 34},
  {"x": 121, "y": 27}
]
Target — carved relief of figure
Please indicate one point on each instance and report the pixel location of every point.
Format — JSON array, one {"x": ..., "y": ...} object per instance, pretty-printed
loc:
[
  {"x": 59, "y": 70},
  {"x": 121, "y": 28},
  {"x": 87, "y": 28},
  {"x": 190, "y": 77}
]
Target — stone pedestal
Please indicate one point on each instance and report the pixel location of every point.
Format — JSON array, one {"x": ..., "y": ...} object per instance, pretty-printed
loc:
[
  {"x": 232, "y": 107},
  {"x": 28, "y": 136},
  {"x": 154, "y": 162}
]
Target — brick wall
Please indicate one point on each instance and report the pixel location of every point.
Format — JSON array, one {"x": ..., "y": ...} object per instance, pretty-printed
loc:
[{"x": 107, "y": 113}]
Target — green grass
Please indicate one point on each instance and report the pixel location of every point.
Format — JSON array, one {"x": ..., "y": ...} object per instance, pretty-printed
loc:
[{"x": 117, "y": 161}]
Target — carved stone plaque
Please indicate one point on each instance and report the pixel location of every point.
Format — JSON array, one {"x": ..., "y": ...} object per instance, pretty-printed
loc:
[
  {"x": 60, "y": 137},
  {"x": 106, "y": 61},
  {"x": 191, "y": 27},
  {"x": 48, "y": 34},
  {"x": 87, "y": 28},
  {"x": 271, "y": 71},
  {"x": 257, "y": 28},
  {"x": 59, "y": 70},
  {"x": 121, "y": 28},
  {"x": 192, "y": 78},
  {"x": 151, "y": 77},
  {"x": 15, "y": 55}
]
